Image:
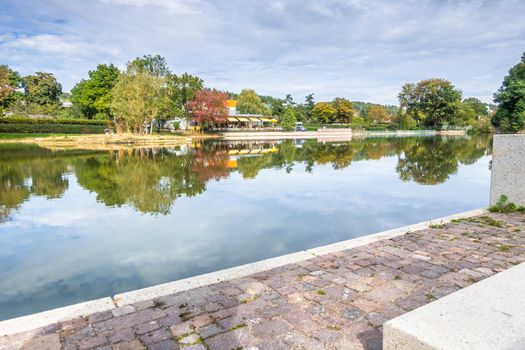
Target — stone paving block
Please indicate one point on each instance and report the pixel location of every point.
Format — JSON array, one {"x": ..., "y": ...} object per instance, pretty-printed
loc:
[
  {"x": 181, "y": 328},
  {"x": 270, "y": 329},
  {"x": 100, "y": 316},
  {"x": 146, "y": 327},
  {"x": 297, "y": 339},
  {"x": 195, "y": 347},
  {"x": 92, "y": 342},
  {"x": 46, "y": 342},
  {"x": 352, "y": 313},
  {"x": 210, "y": 330},
  {"x": 230, "y": 322},
  {"x": 76, "y": 323},
  {"x": 129, "y": 345},
  {"x": 231, "y": 340},
  {"x": 124, "y": 310},
  {"x": 155, "y": 336},
  {"x": 385, "y": 294},
  {"x": 201, "y": 321},
  {"x": 189, "y": 339},
  {"x": 129, "y": 320},
  {"x": 168, "y": 344},
  {"x": 122, "y": 335}
]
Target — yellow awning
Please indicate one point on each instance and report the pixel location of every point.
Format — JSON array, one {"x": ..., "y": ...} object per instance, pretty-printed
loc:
[
  {"x": 274, "y": 120},
  {"x": 231, "y": 119},
  {"x": 232, "y": 163},
  {"x": 244, "y": 151},
  {"x": 255, "y": 119},
  {"x": 233, "y": 151},
  {"x": 243, "y": 119},
  {"x": 265, "y": 119}
]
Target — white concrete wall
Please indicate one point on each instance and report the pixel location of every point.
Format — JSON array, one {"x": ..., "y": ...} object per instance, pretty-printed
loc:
[
  {"x": 488, "y": 315},
  {"x": 508, "y": 168}
]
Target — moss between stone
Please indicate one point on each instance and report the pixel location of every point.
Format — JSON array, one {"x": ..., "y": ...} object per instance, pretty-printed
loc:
[
  {"x": 240, "y": 325},
  {"x": 430, "y": 296}
]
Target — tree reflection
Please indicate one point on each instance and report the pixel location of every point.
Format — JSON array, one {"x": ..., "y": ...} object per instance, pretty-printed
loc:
[
  {"x": 430, "y": 161},
  {"x": 25, "y": 171},
  {"x": 151, "y": 180}
]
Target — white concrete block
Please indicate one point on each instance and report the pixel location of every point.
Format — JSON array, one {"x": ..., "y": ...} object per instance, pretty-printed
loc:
[
  {"x": 41, "y": 319},
  {"x": 488, "y": 315},
  {"x": 508, "y": 169}
]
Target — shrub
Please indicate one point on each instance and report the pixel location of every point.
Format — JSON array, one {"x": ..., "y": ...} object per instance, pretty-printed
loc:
[
  {"x": 26, "y": 120},
  {"x": 504, "y": 206},
  {"x": 51, "y": 125},
  {"x": 101, "y": 116},
  {"x": 52, "y": 128}
]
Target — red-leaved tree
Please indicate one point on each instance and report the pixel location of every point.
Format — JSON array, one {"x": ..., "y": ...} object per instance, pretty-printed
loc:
[{"x": 209, "y": 107}]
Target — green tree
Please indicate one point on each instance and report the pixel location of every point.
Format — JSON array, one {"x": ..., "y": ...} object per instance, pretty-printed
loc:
[
  {"x": 183, "y": 89},
  {"x": 343, "y": 110},
  {"x": 377, "y": 114},
  {"x": 409, "y": 101},
  {"x": 42, "y": 89},
  {"x": 510, "y": 115},
  {"x": 479, "y": 107},
  {"x": 288, "y": 101},
  {"x": 309, "y": 104},
  {"x": 288, "y": 121},
  {"x": 10, "y": 81},
  {"x": 250, "y": 103},
  {"x": 467, "y": 114},
  {"x": 324, "y": 112},
  {"x": 406, "y": 122},
  {"x": 155, "y": 66},
  {"x": 435, "y": 102},
  {"x": 277, "y": 107},
  {"x": 138, "y": 98},
  {"x": 93, "y": 95}
]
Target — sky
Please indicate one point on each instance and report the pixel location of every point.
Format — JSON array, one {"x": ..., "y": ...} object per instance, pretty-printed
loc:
[{"x": 358, "y": 49}]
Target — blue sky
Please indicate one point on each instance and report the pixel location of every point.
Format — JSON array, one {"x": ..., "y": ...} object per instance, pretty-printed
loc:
[{"x": 361, "y": 50}]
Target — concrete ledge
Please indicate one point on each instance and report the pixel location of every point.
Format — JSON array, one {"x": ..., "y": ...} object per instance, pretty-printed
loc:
[
  {"x": 34, "y": 321},
  {"x": 486, "y": 315}
]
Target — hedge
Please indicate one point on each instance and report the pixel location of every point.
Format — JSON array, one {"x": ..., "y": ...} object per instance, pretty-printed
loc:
[
  {"x": 26, "y": 120},
  {"x": 52, "y": 128}
]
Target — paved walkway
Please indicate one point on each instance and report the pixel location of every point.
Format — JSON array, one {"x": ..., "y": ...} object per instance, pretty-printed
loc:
[{"x": 335, "y": 301}]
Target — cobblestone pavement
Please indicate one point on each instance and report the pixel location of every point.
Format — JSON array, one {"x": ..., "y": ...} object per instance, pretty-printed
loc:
[{"x": 334, "y": 301}]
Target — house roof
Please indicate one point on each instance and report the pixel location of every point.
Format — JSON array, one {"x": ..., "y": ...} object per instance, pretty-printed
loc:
[{"x": 231, "y": 103}]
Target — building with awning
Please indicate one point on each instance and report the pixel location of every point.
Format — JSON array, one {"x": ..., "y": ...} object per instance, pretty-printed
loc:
[{"x": 245, "y": 120}]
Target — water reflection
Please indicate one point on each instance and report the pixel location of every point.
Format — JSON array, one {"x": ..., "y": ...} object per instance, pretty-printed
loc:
[
  {"x": 80, "y": 225},
  {"x": 150, "y": 180}
]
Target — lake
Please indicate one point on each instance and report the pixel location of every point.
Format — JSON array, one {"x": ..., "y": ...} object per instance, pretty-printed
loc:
[{"x": 77, "y": 225}]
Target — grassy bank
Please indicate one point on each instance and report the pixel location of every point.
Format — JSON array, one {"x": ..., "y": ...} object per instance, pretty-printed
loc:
[
  {"x": 97, "y": 142},
  {"x": 25, "y": 135}
]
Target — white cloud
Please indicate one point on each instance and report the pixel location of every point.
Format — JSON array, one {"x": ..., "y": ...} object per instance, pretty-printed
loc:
[
  {"x": 351, "y": 48},
  {"x": 174, "y": 6},
  {"x": 58, "y": 45}
]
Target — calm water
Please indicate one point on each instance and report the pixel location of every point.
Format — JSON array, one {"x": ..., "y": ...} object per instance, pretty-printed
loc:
[{"x": 80, "y": 225}]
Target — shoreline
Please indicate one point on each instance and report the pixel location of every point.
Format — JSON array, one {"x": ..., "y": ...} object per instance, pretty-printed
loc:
[
  {"x": 114, "y": 141},
  {"x": 41, "y": 319}
]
